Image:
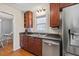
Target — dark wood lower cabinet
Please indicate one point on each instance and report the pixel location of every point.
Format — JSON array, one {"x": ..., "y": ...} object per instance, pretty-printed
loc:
[
  {"x": 22, "y": 41},
  {"x": 31, "y": 44},
  {"x": 37, "y": 46}
]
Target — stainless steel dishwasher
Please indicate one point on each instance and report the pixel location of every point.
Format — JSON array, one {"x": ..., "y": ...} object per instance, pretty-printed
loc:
[{"x": 50, "y": 48}]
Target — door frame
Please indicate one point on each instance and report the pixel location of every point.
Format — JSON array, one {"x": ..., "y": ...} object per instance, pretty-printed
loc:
[{"x": 12, "y": 26}]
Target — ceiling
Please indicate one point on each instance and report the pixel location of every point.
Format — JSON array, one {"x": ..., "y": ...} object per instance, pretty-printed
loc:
[{"x": 24, "y": 6}]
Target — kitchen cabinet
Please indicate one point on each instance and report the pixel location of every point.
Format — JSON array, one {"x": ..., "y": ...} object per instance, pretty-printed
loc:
[
  {"x": 64, "y": 5},
  {"x": 21, "y": 41},
  {"x": 28, "y": 19},
  {"x": 24, "y": 41},
  {"x": 31, "y": 44},
  {"x": 54, "y": 15},
  {"x": 37, "y": 46}
]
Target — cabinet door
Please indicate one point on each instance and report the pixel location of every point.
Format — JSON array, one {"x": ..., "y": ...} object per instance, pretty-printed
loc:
[
  {"x": 28, "y": 19},
  {"x": 54, "y": 15},
  {"x": 37, "y": 46},
  {"x": 30, "y": 44},
  {"x": 22, "y": 40},
  {"x": 25, "y": 42}
]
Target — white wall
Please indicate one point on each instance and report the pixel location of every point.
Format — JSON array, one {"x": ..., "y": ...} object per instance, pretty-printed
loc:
[{"x": 18, "y": 23}]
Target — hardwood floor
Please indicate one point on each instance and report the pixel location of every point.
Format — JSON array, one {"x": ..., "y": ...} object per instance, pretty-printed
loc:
[{"x": 7, "y": 51}]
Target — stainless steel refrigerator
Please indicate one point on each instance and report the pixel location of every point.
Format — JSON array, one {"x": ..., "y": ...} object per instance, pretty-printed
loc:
[{"x": 70, "y": 26}]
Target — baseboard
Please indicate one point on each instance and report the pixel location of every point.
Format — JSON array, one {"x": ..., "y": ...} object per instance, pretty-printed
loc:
[{"x": 16, "y": 48}]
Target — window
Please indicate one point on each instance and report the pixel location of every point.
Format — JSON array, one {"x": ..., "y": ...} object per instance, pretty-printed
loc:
[{"x": 41, "y": 22}]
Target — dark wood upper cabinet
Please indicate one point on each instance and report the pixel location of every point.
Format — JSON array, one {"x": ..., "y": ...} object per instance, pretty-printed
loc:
[
  {"x": 64, "y": 5},
  {"x": 55, "y": 9},
  {"x": 54, "y": 15},
  {"x": 28, "y": 19}
]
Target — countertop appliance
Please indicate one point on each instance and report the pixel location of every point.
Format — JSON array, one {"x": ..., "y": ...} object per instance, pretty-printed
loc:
[{"x": 50, "y": 48}]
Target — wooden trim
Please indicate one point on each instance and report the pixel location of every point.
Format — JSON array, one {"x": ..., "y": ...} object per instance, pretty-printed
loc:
[{"x": 68, "y": 4}]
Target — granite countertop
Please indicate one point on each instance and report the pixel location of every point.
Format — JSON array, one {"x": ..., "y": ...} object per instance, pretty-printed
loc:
[
  {"x": 53, "y": 37},
  {"x": 45, "y": 37}
]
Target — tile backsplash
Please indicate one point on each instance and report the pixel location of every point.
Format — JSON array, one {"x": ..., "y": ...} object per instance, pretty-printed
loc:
[{"x": 50, "y": 30}]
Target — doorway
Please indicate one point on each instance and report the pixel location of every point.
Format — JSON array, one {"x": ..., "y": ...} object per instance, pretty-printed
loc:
[{"x": 6, "y": 33}]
